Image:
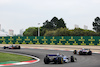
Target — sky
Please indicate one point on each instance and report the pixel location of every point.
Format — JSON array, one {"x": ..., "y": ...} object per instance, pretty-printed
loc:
[{"x": 22, "y": 14}]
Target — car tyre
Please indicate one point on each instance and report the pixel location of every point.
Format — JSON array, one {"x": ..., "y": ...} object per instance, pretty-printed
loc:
[
  {"x": 46, "y": 60},
  {"x": 72, "y": 58},
  {"x": 90, "y": 53},
  {"x": 4, "y": 47},
  {"x": 75, "y": 51},
  {"x": 19, "y": 47}
]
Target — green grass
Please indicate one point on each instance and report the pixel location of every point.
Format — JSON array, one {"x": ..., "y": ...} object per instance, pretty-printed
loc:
[{"x": 13, "y": 57}]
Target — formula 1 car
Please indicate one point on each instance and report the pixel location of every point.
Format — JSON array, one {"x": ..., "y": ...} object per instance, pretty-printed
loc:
[
  {"x": 12, "y": 47},
  {"x": 58, "y": 59},
  {"x": 83, "y": 51}
]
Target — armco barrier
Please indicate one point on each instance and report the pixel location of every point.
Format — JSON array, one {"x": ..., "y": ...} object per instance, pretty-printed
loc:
[{"x": 52, "y": 40}]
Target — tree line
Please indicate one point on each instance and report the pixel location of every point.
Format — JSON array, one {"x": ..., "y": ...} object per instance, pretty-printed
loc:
[{"x": 57, "y": 27}]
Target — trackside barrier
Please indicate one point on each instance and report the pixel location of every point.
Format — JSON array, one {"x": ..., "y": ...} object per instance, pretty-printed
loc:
[{"x": 52, "y": 40}]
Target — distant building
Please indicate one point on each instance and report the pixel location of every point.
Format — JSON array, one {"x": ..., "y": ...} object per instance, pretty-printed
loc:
[
  {"x": 85, "y": 27},
  {"x": 0, "y": 27},
  {"x": 21, "y": 32},
  {"x": 3, "y": 32},
  {"x": 11, "y": 32},
  {"x": 76, "y": 26}
]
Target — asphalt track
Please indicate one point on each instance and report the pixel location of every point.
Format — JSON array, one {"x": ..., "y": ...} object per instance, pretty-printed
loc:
[{"x": 82, "y": 60}]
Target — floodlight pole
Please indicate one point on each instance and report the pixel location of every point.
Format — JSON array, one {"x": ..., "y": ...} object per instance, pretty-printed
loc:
[{"x": 38, "y": 29}]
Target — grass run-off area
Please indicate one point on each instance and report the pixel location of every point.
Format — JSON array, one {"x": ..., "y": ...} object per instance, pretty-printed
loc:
[{"x": 4, "y": 57}]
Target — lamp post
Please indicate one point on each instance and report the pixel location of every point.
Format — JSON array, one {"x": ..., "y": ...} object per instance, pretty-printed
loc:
[{"x": 38, "y": 29}]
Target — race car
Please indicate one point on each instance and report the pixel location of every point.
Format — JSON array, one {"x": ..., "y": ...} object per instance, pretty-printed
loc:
[
  {"x": 83, "y": 51},
  {"x": 58, "y": 59},
  {"x": 12, "y": 47}
]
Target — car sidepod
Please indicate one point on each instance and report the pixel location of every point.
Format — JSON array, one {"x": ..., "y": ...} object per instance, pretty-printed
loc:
[{"x": 60, "y": 60}]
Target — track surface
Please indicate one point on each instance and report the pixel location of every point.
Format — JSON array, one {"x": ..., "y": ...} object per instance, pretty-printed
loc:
[{"x": 82, "y": 61}]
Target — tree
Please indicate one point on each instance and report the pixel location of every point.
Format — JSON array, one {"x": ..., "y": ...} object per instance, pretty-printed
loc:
[
  {"x": 96, "y": 24},
  {"x": 47, "y": 25},
  {"x": 54, "y": 23},
  {"x": 31, "y": 31},
  {"x": 61, "y": 23}
]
